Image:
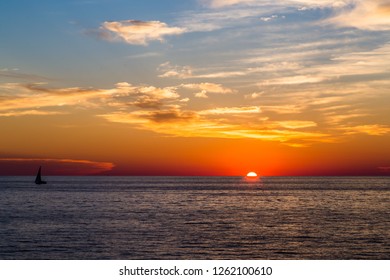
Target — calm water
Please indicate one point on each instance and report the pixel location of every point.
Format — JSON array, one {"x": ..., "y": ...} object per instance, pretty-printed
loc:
[{"x": 195, "y": 218}]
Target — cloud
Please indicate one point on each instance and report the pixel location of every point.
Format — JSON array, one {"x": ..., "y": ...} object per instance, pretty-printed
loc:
[
  {"x": 222, "y": 74},
  {"x": 366, "y": 15},
  {"x": 267, "y": 19},
  {"x": 201, "y": 94},
  {"x": 223, "y": 122},
  {"x": 159, "y": 93},
  {"x": 166, "y": 116},
  {"x": 15, "y": 74},
  {"x": 197, "y": 125},
  {"x": 291, "y": 3},
  {"x": 295, "y": 80},
  {"x": 147, "y": 102},
  {"x": 231, "y": 110},
  {"x": 279, "y": 114},
  {"x": 207, "y": 88},
  {"x": 224, "y": 3},
  {"x": 335, "y": 118},
  {"x": 28, "y": 166},
  {"x": 29, "y": 113},
  {"x": 361, "y": 63},
  {"x": 135, "y": 32},
  {"x": 283, "y": 109},
  {"x": 212, "y": 20},
  {"x": 288, "y": 137},
  {"x": 40, "y": 99},
  {"x": 369, "y": 129},
  {"x": 316, "y": 64},
  {"x": 296, "y": 124},
  {"x": 254, "y": 95},
  {"x": 180, "y": 124},
  {"x": 144, "y": 55},
  {"x": 169, "y": 71},
  {"x": 384, "y": 169},
  {"x": 33, "y": 97},
  {"x": 362, "y": 14}
]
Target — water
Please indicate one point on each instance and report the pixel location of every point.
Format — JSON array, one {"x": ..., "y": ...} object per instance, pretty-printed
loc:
[{"x": 195, "y": 218}]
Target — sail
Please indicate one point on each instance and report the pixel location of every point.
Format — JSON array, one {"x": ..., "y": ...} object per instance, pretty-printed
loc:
[{"x": 38, "y": 179}]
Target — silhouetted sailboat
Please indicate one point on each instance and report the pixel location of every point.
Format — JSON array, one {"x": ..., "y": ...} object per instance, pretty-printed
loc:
[{"x": 38, "y": 179}]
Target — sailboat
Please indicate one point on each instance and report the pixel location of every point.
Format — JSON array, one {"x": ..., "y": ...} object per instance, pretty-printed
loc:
[{"x": 38, "y": 179}]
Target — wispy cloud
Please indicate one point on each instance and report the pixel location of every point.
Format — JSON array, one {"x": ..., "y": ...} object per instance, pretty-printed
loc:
[
  {"x": 224, "y": 3},
  {"x": 16, "y": 74},
  {"x": 299, "y": 3},
  {"x": 168, "y": 70},
  {"x": 296, "y": 124},
  {"x": 231, "y": 110},
  {"x": 161, "y": 110},
  {"x": 165, "y": 115},
  {"x": 361, "y": 14},
  {"x": 368, "y": 15},
  {"x": 253, "y": 95},
  {"x": 144, "y": 55},
  {"x": 40, "y": 99},
  {"x": 28, "y": 113},
  {"x": 295, "y": 118},
  {"x": 136, "y": 32},
  {"x": 370, "y": 129},
  {"x": 205, "y": 88},
  {"x": 54, "y": 166},
  {"x": 294, "y": 80},
  {"x": 270, "y": 18},
  {"x": 198, "y": 124},
  {"x": 283, "y": 109},
  {"x": 384, "y": 169},
  {"x": 368, "y": 64},
  {"x": 217, "y": 19},
  {"x": 31, "y": 98}
]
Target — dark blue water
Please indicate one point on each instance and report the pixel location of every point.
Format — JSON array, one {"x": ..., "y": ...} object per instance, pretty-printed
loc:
[{"x": 195, "y": 218}]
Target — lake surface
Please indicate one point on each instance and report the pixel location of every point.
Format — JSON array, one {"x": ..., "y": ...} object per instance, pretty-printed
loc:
[{"x": 195, "y": 218}]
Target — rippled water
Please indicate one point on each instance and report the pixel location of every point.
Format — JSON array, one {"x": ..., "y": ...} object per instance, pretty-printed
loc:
[{"x": 195, "y": 218}]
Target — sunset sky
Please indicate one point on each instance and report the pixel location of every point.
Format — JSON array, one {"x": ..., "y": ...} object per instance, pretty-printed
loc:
[{"x": 196, "y": 87}]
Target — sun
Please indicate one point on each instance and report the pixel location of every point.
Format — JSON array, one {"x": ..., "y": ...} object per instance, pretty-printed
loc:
[{"x": 251, "y": 175}]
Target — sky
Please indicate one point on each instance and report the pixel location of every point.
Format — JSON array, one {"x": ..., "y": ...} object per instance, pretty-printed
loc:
[{"x": 197, "y": 87}]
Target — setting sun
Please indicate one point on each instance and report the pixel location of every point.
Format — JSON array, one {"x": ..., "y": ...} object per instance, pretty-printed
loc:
[{"x": 251, "y": 175}]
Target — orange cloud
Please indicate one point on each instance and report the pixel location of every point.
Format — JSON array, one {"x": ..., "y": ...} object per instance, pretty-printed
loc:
[
  {"x": 231, "y": 110},
  {"x": 296, "y": 124},
  {"x": 204, "y": 124},
  {"x": 295, "y": 80},
  {"x": 39, "y": 99},
  {"x": 368, "y": 15},
  {"x": 28, "y": 113},
  {"x": 166, "y": 110},
  {"x": 28, "y": 166},
  {"x": 29, "y": 97},
  {"x": 166, "y": 116},
  {"x": 370, "y": 129}
]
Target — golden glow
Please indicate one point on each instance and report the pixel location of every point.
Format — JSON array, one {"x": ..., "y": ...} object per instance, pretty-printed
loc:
[{"x": 186, "y": 99}]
